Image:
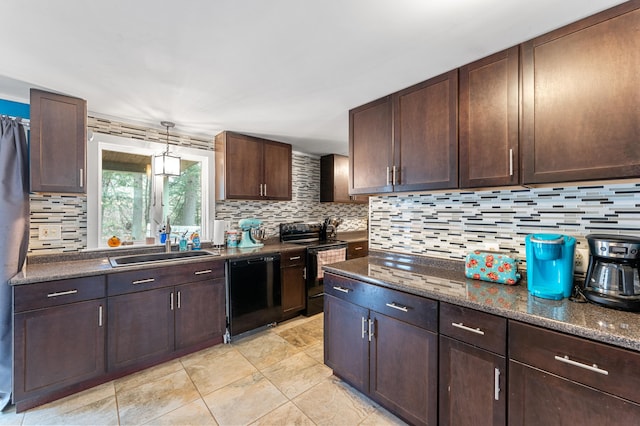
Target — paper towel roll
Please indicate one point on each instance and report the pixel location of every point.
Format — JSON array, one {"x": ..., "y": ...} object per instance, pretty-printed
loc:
[{"x": 219, "y": 229}]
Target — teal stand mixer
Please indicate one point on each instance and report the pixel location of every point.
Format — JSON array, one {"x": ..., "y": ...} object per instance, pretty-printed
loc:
[{"x": 252, "y": 233}]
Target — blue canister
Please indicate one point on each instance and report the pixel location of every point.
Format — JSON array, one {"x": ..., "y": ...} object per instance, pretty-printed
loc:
[{"x": 232, "y": 238}]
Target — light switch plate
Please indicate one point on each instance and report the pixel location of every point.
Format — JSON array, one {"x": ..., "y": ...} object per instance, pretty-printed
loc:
[{"x": 50, "y": 232}]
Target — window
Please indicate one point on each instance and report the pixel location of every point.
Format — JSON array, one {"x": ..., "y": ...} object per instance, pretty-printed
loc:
[{"x": 127, "y": 200}]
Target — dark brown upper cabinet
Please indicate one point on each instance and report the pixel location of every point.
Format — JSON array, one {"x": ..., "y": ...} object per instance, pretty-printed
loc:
[
  {"x": 407, "y": 141},
  {"x": 334, "y": 181},
  {"x": 58, "y": 143},
  {"x": 488, "y": 121},
  {"x": 250, "y": 168},
  {"x": 581, "y": 99}
]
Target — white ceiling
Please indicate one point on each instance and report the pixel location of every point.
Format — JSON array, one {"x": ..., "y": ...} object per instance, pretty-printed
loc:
[{"x": 283, "y": 69}]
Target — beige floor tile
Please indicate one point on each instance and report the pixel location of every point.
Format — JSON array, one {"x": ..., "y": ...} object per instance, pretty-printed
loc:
[
  {"x": 244, "y": 401},
  {"x": 148, "y": 375},
  {"x": 287, "y": 414},
  {"x": 381, "y": 417},
  {"x": 70, "y": 403},
  {"x": 195, "y": 414},
  {"x": 211, "y": 373},
  {"x": 332, "y": 402},
  {"x": 265, "y": 349},
  {"x": 296, "y": 374},
  {"x": 302, "y": 336},
  {"x": 316, "y": 352},
  {"x": 9, "y": 417},
  {"x": 293, "y": 322},
  {"x": 206, "y": 354},
  {"x": 102, "y": 412},
  {"x": 154, "y": 399}
]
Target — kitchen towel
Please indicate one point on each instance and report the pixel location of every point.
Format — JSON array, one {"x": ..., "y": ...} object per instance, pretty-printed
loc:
[{"x": 327, "y": 257}]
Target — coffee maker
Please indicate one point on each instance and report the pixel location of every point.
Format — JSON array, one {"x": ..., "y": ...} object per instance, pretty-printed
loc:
[
  {"x": 612, "y": 277},
  {"x": 550, "y": 265}
]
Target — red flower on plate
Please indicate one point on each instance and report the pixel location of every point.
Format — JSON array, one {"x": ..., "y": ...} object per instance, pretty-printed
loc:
[
  {"x": 476, "y": 276},
  {"x": 489, "y": 258},
  {"x": 507, "y": 266},
  {"x": 493, "y": 276},
  {"x": 500, "y": 269},
  {"x": 511, "y": 281},
  {"x": 472, "y": 263},
  {"x": 488, "y": 264}
]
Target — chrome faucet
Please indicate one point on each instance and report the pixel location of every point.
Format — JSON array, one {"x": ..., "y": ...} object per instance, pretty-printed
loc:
[{"x": 167, "y": 243}]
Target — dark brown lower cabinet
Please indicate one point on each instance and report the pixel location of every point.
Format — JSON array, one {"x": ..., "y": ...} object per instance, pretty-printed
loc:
[
  {"x": 537, "y": 397},
  {"x": 292, "y": 267},
  {"x": 140, "y": 327},
  {"x": 394, "y": 361},
  {"x": 472, "y": 385},
  {"x": 200, "y": 315}
]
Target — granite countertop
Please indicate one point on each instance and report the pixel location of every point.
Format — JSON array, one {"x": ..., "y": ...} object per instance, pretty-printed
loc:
[
  {"x": 445, "y": 281},
  {"x": 77, "y": 265},
  {"x": 353, "y": 236}
]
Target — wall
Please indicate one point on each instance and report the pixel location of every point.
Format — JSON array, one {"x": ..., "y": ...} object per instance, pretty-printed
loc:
[
  {"x": 448, "y": 225},
  {"x": 70, "y": 211},
  {"x": 305, "y": 205}
]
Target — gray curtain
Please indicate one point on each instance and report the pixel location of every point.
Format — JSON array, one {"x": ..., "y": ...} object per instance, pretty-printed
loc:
[{"x": 14, "y": 235}]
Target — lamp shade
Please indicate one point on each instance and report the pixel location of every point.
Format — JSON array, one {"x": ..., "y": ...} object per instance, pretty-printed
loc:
[{"x": 166, "y": 165}]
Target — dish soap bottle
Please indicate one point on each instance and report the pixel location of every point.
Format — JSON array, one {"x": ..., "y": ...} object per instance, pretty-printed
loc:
[
  {"x": 182, "y": 246},
  {"x": 195, "y": 239}
]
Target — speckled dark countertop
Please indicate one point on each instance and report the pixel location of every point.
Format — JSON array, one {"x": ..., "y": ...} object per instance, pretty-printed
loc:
[
  {"x": 84, "y": 264},
  {"x": 445, "y": 281}
]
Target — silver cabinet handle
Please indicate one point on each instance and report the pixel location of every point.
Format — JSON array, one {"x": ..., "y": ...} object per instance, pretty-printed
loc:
[
  {"x": 358, "y": 248},
  {"x": 62, "y": 293},
  {"x": 465, "y": 328},
  {"x": 100, "y": 316},
  {"x": 593, "y": 367},
  {"x": 398, "y": 307},
  {"x": 171, "y": 301},
  {"x": 178, "y": 300},
  {"x": 206, "y": 271},
  {"x": 363, "y": 326},
  {"x": 304, "y": 273},
  {"x": 265, "y": 189},
  {"x": 294, "y": 258},
  {"x": 81, "y": 178},
  {"x": 342, "y": 289},
  {"x": 510, "y": 162},
  {"x": 388, "y": 174},
  {"x": 146, "y": 280},
  {"x": 395, "y": 181},
  {"x": 261, "y": 190},
  {"x": 371, "y": 329},
  {"x": 496, "y": 384}
]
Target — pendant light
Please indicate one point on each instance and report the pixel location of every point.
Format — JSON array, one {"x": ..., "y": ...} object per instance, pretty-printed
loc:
[{"x": 166, "y": 164}]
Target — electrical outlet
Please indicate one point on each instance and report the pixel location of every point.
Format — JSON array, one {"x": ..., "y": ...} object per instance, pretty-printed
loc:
[
  {"x": 50, "y": 232},
  {"x": 581, "y": 260},
  {"x": 491, "y": 246}
]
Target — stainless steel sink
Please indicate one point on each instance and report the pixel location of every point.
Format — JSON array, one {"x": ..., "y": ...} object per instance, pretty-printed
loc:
[{"x": 156, "y": 257}]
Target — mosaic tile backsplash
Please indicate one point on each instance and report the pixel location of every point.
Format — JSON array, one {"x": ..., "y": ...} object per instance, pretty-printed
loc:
[{"x": 449, "y": 225}]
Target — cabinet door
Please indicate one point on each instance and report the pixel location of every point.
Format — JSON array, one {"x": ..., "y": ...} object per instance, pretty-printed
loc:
[
  {"x": 580, "y": 99},
  {"x": 370, "y": 147},
  {"x": 472, "y": 385},
  {"x": 243, "y": 163},
  {"x": 293, "y": 287},
  {"x": 57, "y": 143},
  {"x": 357, "y": 249},
  {"x": 540, "y": 398},
  {"x": 334, "y": 179},
  {"x": 404, "y": 369},
  {"x": 199, "y": 313},
  {"x": 346, "y": 348},
  {"x": 141, "y": 327},
  {"x": 489, "y": 121},
  {"x": 277, "y": 171},
  {"x": 58, "y": 347},
  {"x": 426, "y": 134}
]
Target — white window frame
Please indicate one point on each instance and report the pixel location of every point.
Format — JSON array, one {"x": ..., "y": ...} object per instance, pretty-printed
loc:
[{"x": 102, "y": 142}]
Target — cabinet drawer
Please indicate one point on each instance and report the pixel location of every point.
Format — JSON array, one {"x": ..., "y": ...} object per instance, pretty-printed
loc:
[
  {"x": 293, "y": 258},
  {"x": 357, "y": 249},
  {"x": 53, "y": 293},
  {"x": 610, "y": 369},
  {"x": 406, "y": 307},
  {"x": 480, "y": 329},
  {"x": 190, "y": 272},
  {"x": 346, "y": 289}
]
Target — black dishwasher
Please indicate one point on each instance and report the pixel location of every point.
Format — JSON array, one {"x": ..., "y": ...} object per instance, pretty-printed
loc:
[{"x": 255, "y": 294}]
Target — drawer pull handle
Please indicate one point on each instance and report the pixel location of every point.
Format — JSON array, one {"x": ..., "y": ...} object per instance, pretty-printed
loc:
[
  {"x": 496, "y": 384},
  {"x": 342, "y": 289},
  {"x": 206, "y": 271},
  {"x": 398, "y": 307},
  {"x": 100, "y": 316},
  {"x": 294, "y": 258},
  {"x": 371, "y": 330},
  {"x": 62, "y": 293},
  {"x": 178, "y": 300},
  {"x": 146, "y": 280},
  {"x": 171, "y": 301},
  {"x": 358, "y": 248},
  {"x": 464, "y": 327},
  {"x": 593, "y": 367},
  {"x": 363, "y": 326}
]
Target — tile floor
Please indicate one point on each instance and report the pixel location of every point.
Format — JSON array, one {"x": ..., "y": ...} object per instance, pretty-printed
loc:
[{"x": 274, "y": 377}]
